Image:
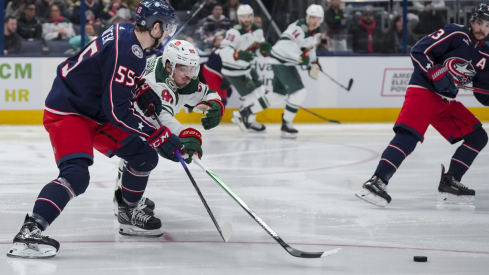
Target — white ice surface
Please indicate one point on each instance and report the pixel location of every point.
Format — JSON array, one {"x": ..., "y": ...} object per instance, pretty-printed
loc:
[{"x": 303, "y": 189}]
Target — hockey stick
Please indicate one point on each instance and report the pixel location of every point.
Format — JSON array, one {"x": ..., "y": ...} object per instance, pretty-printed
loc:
[
  {"x": 227, "y": 228},
  {"x": 313, "y": 113},
  {"x": 350, "y": 83},
  {"x": 292, "y": 251},
  {"x": 473, "y": 89}
]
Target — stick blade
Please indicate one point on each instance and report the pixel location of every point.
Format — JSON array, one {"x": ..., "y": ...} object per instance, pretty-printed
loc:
[
  {"x": 350, "y": 83},
  {"x": 311, "y": 255},
  {"x": 226, "y": 230}
]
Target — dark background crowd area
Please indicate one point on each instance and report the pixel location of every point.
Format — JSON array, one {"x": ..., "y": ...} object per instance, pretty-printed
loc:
[{"x": 349, "y": 27}]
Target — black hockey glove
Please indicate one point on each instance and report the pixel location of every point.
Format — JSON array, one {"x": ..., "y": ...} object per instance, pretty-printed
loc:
[
  {"x": 214, "y": 110},
  {"x": 166, "y": 143},
  {"x": 443, "y": 81},
  {"x": 147, "y": 98},
  {"x": 192, "y": 139}
]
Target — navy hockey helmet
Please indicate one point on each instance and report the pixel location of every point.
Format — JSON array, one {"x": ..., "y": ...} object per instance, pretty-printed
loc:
[
  {"x": 481, "y": 11},
  {"x": 151, "y": 11}
]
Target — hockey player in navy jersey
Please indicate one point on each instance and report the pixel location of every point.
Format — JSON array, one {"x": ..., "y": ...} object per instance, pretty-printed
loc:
[
  {"x": 91, "y": 105},
  {"x": 451, "y": 56}
]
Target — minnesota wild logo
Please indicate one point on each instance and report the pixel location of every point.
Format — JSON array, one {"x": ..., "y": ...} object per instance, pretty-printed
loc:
[{"x": 171, "y": 84}]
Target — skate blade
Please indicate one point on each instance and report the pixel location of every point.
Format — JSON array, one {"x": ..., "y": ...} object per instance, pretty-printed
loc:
[
  {"x": 253, "y": 131},
  {"x": 32, "y": 251},
  {"x": 448, "y": 198},
  {"x": 240, "y": 124},
  {"x": 455, "y": 207},
  {"x": 369, "y": 197},
  {"x": 286, "y": 135},
  {"x": 131, "y": 230}
]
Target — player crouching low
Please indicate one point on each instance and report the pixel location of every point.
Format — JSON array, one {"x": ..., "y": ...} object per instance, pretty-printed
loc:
[{"x": 170, "y": 83}]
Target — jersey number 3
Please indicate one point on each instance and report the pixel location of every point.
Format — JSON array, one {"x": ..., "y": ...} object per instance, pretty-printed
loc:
[{"x": 438, "y": 34}]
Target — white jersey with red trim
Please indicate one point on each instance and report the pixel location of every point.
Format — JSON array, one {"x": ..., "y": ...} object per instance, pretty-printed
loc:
[
  {"x": 172, "y": 98},
  {"x": 454, "y": 47},
  {"x": 98, "y": 82}
]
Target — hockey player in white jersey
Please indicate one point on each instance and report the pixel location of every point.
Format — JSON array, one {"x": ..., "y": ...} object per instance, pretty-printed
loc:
[
  {"x": 170, "y": 83},
  {"x": 237, "y": 51},
  {"x": 296, "y": 46}
]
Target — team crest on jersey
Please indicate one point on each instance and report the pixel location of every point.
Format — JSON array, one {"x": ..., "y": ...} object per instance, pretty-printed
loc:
[
  {"x": 305, "y": 28},
  {"x": 137, "y": 51},
  {"x": 171, "y": 84},
  {"x": 462, "y": 70}
]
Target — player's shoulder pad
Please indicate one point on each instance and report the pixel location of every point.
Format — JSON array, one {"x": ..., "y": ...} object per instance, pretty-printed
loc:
[
  {"x": 192, "y": 87},
  {"x": 451, "y": 28},
  {"x": 302, "y": 24},
  {"x": 237, "y": 27}
]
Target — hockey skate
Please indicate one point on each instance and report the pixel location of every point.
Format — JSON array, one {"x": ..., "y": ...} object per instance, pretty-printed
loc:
[
  {"x": 29, "y": 243},
  {"x": 451, "y": 191},
  {"x": 288, "y": 130},
  {"x": 135, "y": 221},
  {"x": 255, "y": 127},
  {"x": 149, "y": 209},
  {"x": 374, "y": 191},
  {"x": 240, "y": 118}
]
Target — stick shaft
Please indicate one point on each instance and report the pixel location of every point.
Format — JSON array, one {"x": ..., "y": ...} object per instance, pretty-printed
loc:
[
  {"x": 292, "y": 251},
  {"x": 326, "y": 119},
  {"x": 474, "y": 89},
  {"x": 200, "y": 194},
  {"x": 194, "y": 184},
  {"x": 336, "y": 81}
]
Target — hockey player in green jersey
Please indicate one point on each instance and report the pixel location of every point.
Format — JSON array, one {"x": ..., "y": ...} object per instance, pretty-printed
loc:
[
  {"x": 170, "y": 83},
  {"x": 296, "y": 46},
  {"x": 237, "y": 51}
]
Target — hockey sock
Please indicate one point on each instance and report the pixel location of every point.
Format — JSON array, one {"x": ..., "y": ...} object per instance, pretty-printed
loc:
[
  {"x": 467, "y": 152},
  {"x": 133, "y": 184},
  {"x": 72, "y": 181},
  {"x": 293, "y": 103},
  {"x": 399, "y": 148},
  {"x": 289, "y": 113},
  {"x": 141, "y": 159}
]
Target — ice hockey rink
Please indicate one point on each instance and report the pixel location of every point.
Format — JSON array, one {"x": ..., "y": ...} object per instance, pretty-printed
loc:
[{"x": 303, "y": 189}]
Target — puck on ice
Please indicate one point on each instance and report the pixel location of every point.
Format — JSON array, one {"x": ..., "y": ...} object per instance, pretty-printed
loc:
[{"x": 420, "y": 258}]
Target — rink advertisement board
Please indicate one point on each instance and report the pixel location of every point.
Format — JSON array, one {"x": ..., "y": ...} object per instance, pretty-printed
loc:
[
  {"x": 20, "y": 89},
  {"x": 25, "y": 82},
  {"x": 377, "y": 93}
]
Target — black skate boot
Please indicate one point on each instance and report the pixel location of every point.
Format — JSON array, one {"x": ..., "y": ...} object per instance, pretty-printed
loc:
[
  {"x": 241, "y": 118},
  {"x": 452, "y": 191},
  {"x": 374, "y": 191},
  {"x": 288, "y": 130},
  {"x": 149, "y": 209},
  {"x": 134, "y": 221},
  {"x": 29, "y": 243},
  {"x": 255, "y": 126}
]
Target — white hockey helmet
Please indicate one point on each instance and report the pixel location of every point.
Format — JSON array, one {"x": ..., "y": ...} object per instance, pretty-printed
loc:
[
  {"x": 244, "y": 9},
  {"x": 181, "y": 52},
  {"x": 315, "y": 10}
]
